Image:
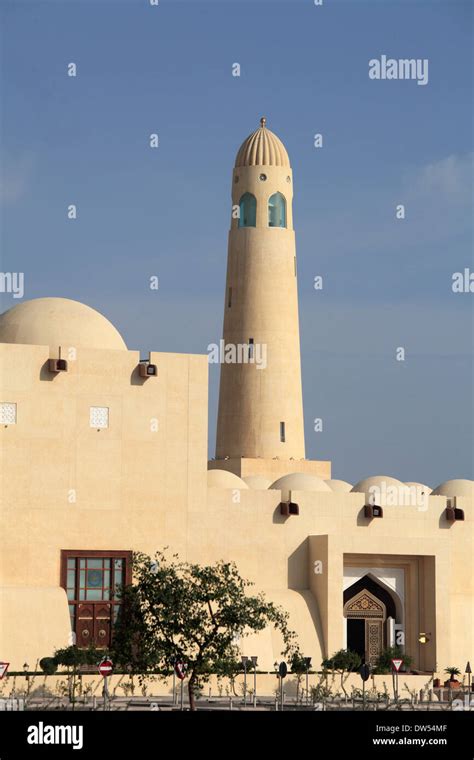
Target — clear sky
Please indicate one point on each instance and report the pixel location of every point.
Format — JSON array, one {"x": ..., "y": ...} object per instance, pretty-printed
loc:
[{"x": 142, "y": 212}]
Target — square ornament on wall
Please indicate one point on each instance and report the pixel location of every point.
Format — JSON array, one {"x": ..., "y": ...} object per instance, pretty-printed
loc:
[{"x": 99, "y": 417}]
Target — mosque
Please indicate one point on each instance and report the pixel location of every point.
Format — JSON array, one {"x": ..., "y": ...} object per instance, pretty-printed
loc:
[{"x": 104, "y": 452}]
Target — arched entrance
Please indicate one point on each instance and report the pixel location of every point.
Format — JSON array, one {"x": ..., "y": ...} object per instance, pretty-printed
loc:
[{"x": 367, "y": 607}]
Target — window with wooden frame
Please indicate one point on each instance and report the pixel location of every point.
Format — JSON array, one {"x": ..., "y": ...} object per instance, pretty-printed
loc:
[{"x": 93, "y": 581}]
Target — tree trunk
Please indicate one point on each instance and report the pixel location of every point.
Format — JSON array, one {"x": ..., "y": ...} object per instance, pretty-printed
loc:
[{"x": 192, "y": 701}]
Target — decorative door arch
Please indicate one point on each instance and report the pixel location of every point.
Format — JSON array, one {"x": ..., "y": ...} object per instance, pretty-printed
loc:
[{"x": 366, "y": 607}]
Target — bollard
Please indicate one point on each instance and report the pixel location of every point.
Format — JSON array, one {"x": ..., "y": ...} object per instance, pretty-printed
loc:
[
  {"x": 276, "y": 704},
  {"x": 230, "y": 703}
]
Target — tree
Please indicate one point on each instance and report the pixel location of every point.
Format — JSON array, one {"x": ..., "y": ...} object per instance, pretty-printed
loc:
[
  {"x": 345, "y": 661},
  {"x": 183, "y": 611},
  {"x": 298, "y": 667}
]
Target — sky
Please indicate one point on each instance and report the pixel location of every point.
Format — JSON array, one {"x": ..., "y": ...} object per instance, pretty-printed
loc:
[{"x": 165, "y": 212}]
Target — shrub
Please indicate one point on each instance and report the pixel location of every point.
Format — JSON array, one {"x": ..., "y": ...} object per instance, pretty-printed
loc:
[
  {"x": 383, "y": 664},
  {"x": 48, "y": 665},
  {"x": 344, "y": 659}
]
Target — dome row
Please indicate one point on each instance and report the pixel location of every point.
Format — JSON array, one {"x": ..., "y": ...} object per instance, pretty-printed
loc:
[{"x": 298, "y": 481}]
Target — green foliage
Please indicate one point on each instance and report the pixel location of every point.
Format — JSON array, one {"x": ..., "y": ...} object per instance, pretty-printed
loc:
[
  {"x": 193, "y": 613},
  {"x": 298, "y": 664},
  {"x": 321, "y": 693},
  {"x": 48, "y": 665},
  {"x": 453, "y": 672},
  {"x": 73, "y": 657},
  {"x": 344, "y": 660},
  {"x": 383, "y": 664}
]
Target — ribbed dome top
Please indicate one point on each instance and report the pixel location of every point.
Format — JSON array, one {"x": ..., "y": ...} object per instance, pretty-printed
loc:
[{"x": 262, "y": 148}]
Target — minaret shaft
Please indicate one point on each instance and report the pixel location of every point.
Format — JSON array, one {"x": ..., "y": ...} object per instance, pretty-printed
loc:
[{"x": 261, "y": 409}]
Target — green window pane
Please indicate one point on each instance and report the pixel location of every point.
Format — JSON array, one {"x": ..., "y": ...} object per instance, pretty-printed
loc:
[
  {"x": 71, "y": 563},
  {"x": 71, "y": 578},
  {"x": 277, "y": 210},
  {"x": 94, "y": 563},
  {"x": 94, "y": 594},
  {"x": 71, "y": 593},
  {"x": 248, "y": 210},
  {"x": 82, "y": 578},
  {"x": 82, "y": 563}
]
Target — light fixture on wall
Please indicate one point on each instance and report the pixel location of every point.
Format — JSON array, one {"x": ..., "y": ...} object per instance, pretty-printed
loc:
[
  {"x": 57, "y": 365},
  {"x": 372, "y": 510},
  {"x": 289, "y": 508},
  {"x": 147, "y": 369},
  {"x": 424, "y": 638}
]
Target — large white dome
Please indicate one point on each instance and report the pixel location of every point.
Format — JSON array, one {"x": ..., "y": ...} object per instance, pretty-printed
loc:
[{"x": 58, "y": 322}]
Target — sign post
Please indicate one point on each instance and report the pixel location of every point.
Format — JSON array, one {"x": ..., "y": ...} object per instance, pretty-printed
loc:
[
  {"x": 282, "y": 671},
  {"x": 105, "y": 670},
  {"x": 180, "y": 670},
  {"x": 397, "y": 663},
  {"x": 364, "y": 672}
]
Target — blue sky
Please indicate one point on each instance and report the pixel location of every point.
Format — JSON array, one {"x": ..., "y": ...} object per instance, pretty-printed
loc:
[{"x": 166, "y": 212}]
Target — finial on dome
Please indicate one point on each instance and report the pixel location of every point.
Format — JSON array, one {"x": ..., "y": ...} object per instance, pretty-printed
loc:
[{"x": 263, "y": 121}]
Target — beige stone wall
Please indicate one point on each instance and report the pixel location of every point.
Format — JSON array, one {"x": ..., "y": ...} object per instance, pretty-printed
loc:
[
  {"x": 64, "y": 485},
  {"x": 141, "y": 490}
]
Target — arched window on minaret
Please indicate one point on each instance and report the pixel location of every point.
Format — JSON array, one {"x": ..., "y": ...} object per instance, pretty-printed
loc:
[
  {"x": 248, "y": 210},
  {"x": 277, "y": 210}
]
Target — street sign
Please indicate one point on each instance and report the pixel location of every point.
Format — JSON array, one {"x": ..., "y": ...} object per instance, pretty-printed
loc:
[
  {"x": 397, "y": 664},
  {"x": 105, "y": 667},
  {"x": 364, "y": 672},
  {"x": 180, "y": 670},
  {"x": 282, "y": 670},
  {"x": 3, "y": 668}
]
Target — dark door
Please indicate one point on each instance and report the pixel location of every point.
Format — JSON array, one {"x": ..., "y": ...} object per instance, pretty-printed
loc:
[{"x": 356, "y": 636}]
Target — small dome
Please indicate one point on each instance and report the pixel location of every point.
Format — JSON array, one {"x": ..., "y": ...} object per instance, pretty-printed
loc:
[
  {"x": 376, "y": 480},
  {"x": 383, "y": 490},
  {"x": 262, "y": 148},
  {"x": 224, "y": 479},
  {"x": 257, "y": 482},
  {"x": 457, "y": 487},
  {"x": 299, "y": 481},
  {"x": 339, "y": 486},
  {"x": 58, "y": 322},
  {"x": 421, "y": 486}
]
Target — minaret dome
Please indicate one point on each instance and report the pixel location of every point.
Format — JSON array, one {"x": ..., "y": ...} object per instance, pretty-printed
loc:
[{"x": 262, "y": 148}]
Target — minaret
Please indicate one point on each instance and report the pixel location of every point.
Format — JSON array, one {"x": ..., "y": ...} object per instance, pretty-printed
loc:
[{"x": 260, "y": 407}]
